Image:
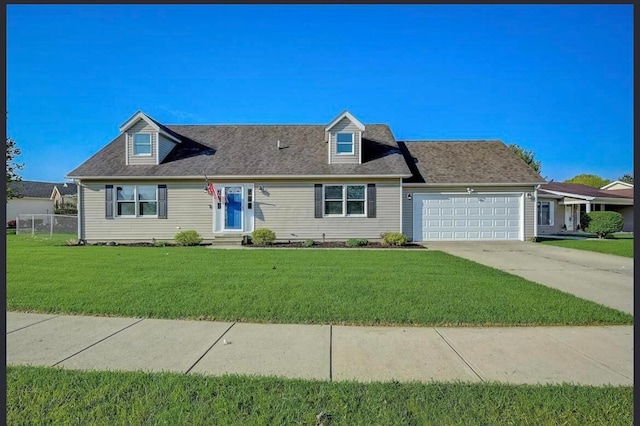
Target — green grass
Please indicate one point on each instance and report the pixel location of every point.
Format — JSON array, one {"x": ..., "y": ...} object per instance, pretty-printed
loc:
[
  {"x": 619, "y": 245},
  {"x": 37, "y": 395},
  {"x": 418, "y": 287}
]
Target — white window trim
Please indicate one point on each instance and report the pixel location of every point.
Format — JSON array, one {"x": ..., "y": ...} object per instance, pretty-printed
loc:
[
  {"x": 344, "y": 200},
  {"x": 551, "y": 212},
  {"x": 136, "y": 203},
  {"x": 353, "y": 143},
  {"x": 133, "y": 144}
]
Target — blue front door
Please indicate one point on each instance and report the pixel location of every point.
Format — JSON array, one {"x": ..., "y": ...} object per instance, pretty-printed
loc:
[{"x": 233, "y": 215}]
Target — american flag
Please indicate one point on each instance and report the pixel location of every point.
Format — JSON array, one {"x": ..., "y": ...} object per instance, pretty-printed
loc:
[{"x": 212, "y": 191}]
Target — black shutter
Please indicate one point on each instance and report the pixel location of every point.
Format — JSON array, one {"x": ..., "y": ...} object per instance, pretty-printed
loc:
[
  {"x": 371, "y": 200},
  {"x": 162, "y": 201},
  {"x": 108, "y": 201},
  {"x": 318, "y": 203}
]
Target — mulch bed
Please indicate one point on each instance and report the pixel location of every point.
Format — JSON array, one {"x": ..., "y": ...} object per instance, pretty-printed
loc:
[
  {"x": 334, "y": 244},
  {"x": 283, "y": 244}
]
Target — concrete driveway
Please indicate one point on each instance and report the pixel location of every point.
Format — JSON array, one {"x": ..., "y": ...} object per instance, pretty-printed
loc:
[{"x": 601, "y": 278}]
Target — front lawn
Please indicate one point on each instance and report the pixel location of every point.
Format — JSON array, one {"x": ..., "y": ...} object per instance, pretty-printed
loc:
[
  {"x": 37, "y": 395},
  {"x": 413, "y": 287},
  {"x": 620, "y": 245}
]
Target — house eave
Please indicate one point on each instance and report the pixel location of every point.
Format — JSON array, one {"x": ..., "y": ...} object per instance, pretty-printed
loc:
[
  {"x": 243, "y": 177},
  {"x": 449, "y": 184}
]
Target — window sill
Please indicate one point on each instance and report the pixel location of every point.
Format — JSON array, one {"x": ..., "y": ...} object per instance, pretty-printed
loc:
[
  {"x": 141, "y": 155},
  {"x": 345, "y": 153}
]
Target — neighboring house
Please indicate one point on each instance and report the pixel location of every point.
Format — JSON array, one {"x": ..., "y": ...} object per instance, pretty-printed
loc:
[
  {"x": 561, "y": 204},
  {"x": 38, "y": 197},
  {"x": 336, "y": 181}
]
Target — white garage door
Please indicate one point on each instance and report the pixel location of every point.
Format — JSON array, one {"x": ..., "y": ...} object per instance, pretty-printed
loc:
[{"x": 467, "y": 217}]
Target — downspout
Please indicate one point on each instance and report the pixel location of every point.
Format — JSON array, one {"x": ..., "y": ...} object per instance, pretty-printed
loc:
[
  {"x": 535, "y": 212},
  {"x": 80, "y": 211}
]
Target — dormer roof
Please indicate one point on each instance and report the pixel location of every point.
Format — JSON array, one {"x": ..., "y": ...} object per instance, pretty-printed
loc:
[
  {"x": 151, "y": 122},
  {"x": 617, "y": 182},
  {"x": 345, "y": 114}
]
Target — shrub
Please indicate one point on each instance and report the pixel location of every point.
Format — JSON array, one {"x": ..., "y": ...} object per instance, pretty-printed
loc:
[
  {"x": 11, "y": 224},
  {"x": 161, "y": 243},
  {"x": 604, "y": 223},
  {"x": 394, "y": 239},
  {"x": 584, "y": 222},
  {"x": 188, "y": 238},
  {"x": 308, "y": 243},
  {"x": 356, "y": 242},
  {"x": 263, "y": 236}
]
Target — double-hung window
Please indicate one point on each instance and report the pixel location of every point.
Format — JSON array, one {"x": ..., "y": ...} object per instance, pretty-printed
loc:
[
  {"x": 137, "y": 200},
  {"x": 345, "y": 200},
  {"x": 545, "y": 213},
  {"x": 142, "y": 144},
  {"x": 344, "y": 143}
]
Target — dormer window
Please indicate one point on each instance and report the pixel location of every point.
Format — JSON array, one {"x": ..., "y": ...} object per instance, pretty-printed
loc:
[
  {"x": 142, "y": 144},
  {"x": 344, "y": 143}
]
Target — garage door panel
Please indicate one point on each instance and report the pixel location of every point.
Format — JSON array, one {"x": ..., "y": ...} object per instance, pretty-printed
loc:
[{"x": 468, "y": 216}]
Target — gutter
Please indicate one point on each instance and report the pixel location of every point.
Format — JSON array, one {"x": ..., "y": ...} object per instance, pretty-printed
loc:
[{"x": 235, "y": 177}]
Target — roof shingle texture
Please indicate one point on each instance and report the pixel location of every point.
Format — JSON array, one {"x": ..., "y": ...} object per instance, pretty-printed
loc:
[
  {"x": 251, "y": 150},
  {"x": 35, "y": 189},
  {"x": 587, "y": 191},
  {"x": 463, "y": 162}
]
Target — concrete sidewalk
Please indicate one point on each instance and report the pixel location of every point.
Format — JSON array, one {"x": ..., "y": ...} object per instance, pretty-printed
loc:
[
  {"x": 582, "y": 355},
  {"x": 602, "y": 278}
]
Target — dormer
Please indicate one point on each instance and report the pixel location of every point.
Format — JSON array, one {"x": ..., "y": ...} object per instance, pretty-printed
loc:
[
  {"x": 146, "y": 141},
  {"x": 344, "y": 137}
]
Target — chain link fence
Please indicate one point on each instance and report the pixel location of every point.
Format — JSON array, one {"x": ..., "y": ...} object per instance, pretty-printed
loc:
[{"x": 46, "y": 224}]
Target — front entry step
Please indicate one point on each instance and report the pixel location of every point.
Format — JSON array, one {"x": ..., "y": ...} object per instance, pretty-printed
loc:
[{"x": 227, "y": 240}]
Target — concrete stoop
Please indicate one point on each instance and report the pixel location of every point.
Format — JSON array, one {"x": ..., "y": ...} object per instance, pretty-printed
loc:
[{"x": 227, "y": 240}]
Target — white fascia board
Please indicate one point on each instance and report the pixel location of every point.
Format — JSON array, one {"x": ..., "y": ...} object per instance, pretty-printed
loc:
[
  {"x": 552, "y": 196},
  {"x": 471, "y": 184},
  {"x": 350, "y": 117},
  {"x": 258, "y": 177},
  {"x": 617, "y": 182},
  {"x": 612, "y": 201},
  {"x": 567, "y": 194}
]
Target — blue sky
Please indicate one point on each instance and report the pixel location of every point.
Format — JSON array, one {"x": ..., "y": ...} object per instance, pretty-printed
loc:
[{"x": 553, "y": 79}]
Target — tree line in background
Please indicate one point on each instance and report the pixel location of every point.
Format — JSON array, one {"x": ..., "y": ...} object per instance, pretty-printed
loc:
[
  {"x": 12, "y": 167},
  {"x": 587, "y": 179}
]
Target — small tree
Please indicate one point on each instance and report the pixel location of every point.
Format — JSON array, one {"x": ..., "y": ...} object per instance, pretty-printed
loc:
[
  {"x": 627, "y": 178},
  {"x": 604, "y": 223},
  {"x": 527, "y": 156},
  {"x": 12, "y": 167},
  {"x": 589, "y": 180}
]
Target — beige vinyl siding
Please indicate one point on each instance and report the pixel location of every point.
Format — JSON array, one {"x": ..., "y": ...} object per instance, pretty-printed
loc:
[
  {"x": 142, "y": 126},
  {"x": 287, "y": 208},
  {"x": 558, "y": 217},
  {"x": 345, "y": 126},
  {"x": 188, "y": 207},
  {"x": 407, "y": 205},
  {"x": 165, "y": 146}
]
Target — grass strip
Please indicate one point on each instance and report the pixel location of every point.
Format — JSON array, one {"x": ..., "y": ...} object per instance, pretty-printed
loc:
[
  {"x": 616, "y": 246},
  {"x": 412, "y": 287},
  {"x": 38, "y": 395}
]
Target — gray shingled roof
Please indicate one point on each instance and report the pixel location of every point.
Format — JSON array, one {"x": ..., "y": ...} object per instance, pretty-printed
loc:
[
  {"x": 584, "y": 190},
  {"x": 251, "y": 150},
  {"x": 463, "y": 162},
  {"x": 35, "y": 189}
]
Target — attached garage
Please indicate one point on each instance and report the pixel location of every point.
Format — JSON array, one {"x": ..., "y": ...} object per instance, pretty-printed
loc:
[{"x": 468, "y": 217}]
